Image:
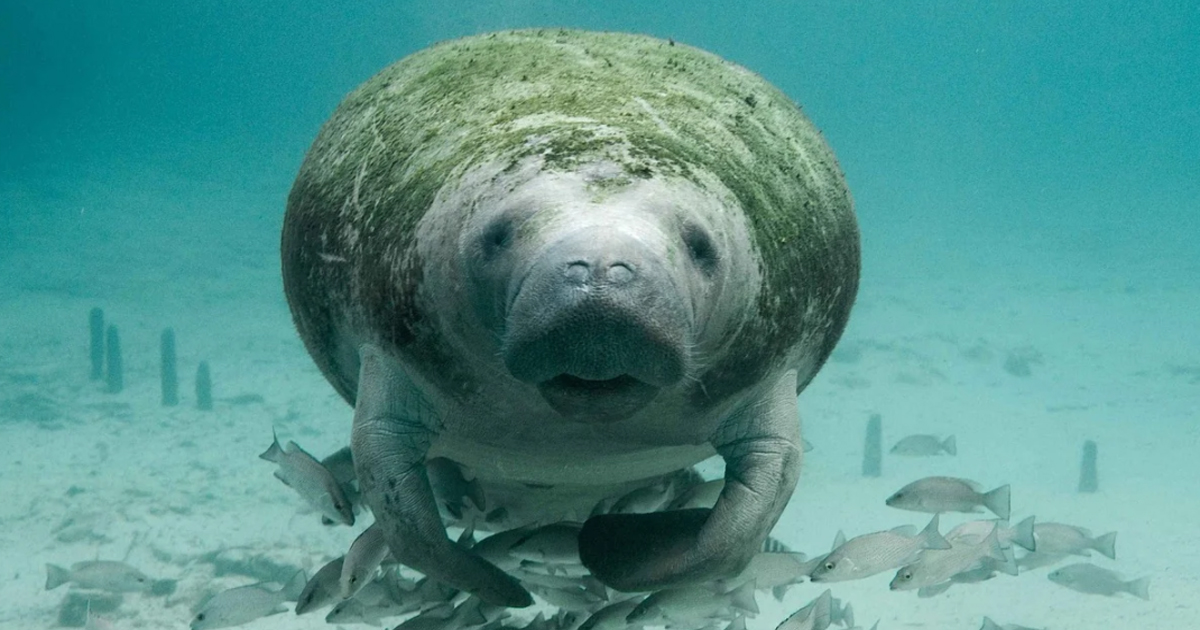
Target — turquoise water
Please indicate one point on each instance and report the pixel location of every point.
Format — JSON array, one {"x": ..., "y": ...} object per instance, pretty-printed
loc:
[{"x": 1026, "y": 182}]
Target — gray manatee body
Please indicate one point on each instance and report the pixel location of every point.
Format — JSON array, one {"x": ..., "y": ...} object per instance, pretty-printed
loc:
[{"x": 571, "y": 262}]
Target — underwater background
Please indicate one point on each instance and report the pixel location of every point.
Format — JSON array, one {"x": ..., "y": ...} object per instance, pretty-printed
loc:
[{"x": 1027, "y": 182}]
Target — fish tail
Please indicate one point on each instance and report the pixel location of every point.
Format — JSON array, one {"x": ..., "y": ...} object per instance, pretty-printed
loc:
[
  {"x": 1140, "y": 588},
  {"x": 848, "y": 615},
  {"x": 988, "y": 624},
  {"x": 999, "y": 501},
  {"x": 743, "y": 597},
  {"x": 1009, "y": 564},
  {"x": 475, "y": 494},
  {"x": 1107, "y": 545},
  {"x": 295, "y": 586},
  {"x": 56, "y": 576},
  {"x": 1023, "y": 535},
  {"x": 950, "y": 445},
  {"x": 275, "y": 451}
]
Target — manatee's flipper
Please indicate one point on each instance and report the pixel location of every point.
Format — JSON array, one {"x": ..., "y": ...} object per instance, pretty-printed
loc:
[
  {"x": 761, "y": 448},
  {"x": 390, "y": 440}
]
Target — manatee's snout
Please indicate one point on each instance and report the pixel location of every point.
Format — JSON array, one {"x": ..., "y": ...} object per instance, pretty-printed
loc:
[{"x": 598, "y": 324}]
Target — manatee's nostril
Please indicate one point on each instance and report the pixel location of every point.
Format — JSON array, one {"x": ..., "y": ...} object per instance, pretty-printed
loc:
[
  {"x": 578, "y": 272},
  {"x": 619, "y": 273}
]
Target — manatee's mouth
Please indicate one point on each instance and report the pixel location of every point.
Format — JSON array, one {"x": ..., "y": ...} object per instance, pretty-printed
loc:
[{"x": 588, "y": 400}]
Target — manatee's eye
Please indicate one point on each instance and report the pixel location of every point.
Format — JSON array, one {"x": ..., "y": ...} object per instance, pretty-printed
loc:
[
  {"x": 496, "y": 237},
  {"x": 701, "y": 248}
]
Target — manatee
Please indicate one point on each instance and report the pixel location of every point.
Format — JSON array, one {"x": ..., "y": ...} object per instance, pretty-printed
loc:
[{"x": 571, "y": 262}]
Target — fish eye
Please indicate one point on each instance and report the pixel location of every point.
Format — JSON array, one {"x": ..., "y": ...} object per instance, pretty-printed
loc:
[
  {"x": 200, "y": 617},
  {"x": 829, "y": 566},
  {"x": 908, "y": 575}
]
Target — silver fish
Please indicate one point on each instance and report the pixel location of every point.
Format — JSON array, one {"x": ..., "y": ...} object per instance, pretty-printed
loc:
[
  {"x": 646, "y": 499},
  {"x": 370, "y": 606},
  {"x": 496, "y": 548},
  {"x": 244, "y": 604},
  {"x": 99, "y": 575},
  {"x": 1069, "y": 539},
  {"x": 701, "y": 495},
  {"x": 557, "y": 543},
  {"x": 612, "y": 616},
  {"x": 312, "y": 481},
  {"x": 572, "y": 599},
  {"x": 451, "y": 488},
  {"x": 322, "y": 588},
  {"x": 1094, "y": 580},
  {"x": 366, "y": 553},
  {"x": 688, "y": 604},
  {"x": 987, "y": 569},
  {"x": 772, "y": 570},
  {"x": 936, "y": 566},
  {"x": 949, "y": 494},
  {"x": 1021, "y": 534},
  {"x": 1039, "y": 559},
  {"x": 988, "y": 624},
  {"x": 925, "y": 446},
  {"x": 435, "y": 618},
  {"x": 816, "y": 615},
  {"x": 866, "y": 555}
]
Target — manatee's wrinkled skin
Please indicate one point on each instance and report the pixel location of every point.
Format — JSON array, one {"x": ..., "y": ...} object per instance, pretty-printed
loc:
[{"x": 572, "y": 261}]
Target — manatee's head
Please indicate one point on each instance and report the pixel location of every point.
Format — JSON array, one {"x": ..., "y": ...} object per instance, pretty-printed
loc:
[{"x": 599, "y": 286}]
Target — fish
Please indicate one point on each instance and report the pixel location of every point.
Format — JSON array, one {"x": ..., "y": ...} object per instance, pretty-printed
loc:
[
  {"x": 244, "y": 604},
  {"x": 936, "y": 566},
  {"x": 816, "y": 615},
  {"x": 925, "y": 446},
  {"x": 841, "y": 613},
  {"x": 1021, "y": 534},
  {"x": 588, "y": 583},
  {"x": 701, "y": 495},
  {"x": 340, "y": 464},
  {"x": 988, "y": 624},
  {"x": 496, "y": 547},
  {"x": 1039, "y": 559},
  {"x": 688, "y": 604},
  {"x": 366, "y": 553},
  {"x": 434, "y": 618},
  {"x": 370, "y": 605},
  {"x": 109, "y": 576},
  {"x": 322, "y": 589},
  {"x": 557, "y": 543},
  {"x": 1069, "y": 539},
  {"x": 646, "y": 499},
  {"x": 986, "y": 570},
  {"x": 949, "y": 494},
  {"x": 451, "y": 488},
  {"x": 1093, "y": 580},
  {"x": 770, "y": 570},
  {"x": 313, "y": 482},
  {"x": 572, "y": 599},
  {"x": 873, "y": 553},
  {"x": 612, "y": 616}
]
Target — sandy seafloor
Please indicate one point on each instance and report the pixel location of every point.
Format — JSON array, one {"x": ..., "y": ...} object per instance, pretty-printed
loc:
[{"x": 119, "y": 476}]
